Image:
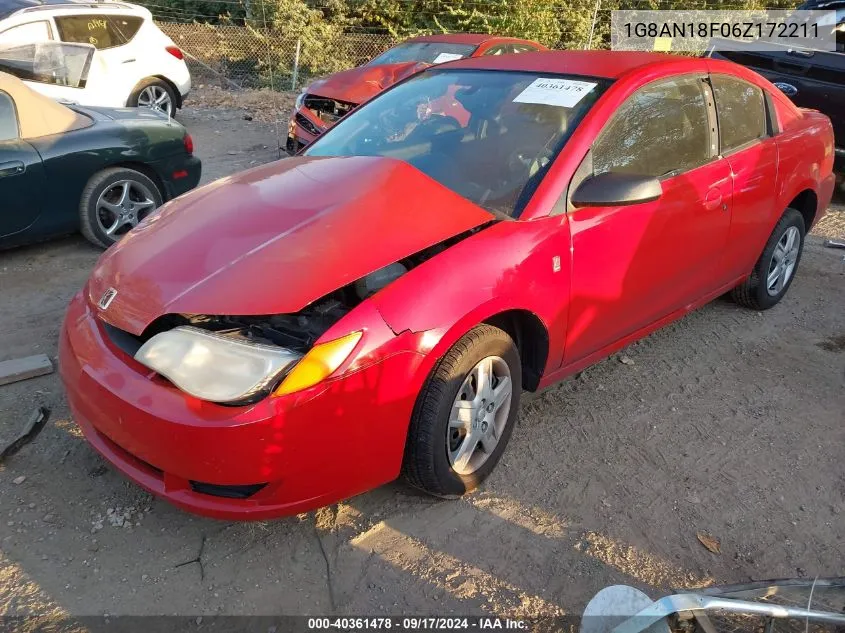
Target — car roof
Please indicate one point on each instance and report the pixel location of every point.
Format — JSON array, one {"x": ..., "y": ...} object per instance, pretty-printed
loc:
[
  {"x": 463, "y": 38},
  {"x": 608, "y": 64},
  {"x": 8, "y": 7},
  {"x": 39, "y": 115}
]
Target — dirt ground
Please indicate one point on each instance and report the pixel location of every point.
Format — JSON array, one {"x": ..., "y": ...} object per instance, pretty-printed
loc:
[{"x": 729, "y": 422}]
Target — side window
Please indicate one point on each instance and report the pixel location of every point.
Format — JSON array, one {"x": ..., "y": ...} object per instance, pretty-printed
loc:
[
  {"x": 523, "y": 48},
  {"x": 741, "y": 111},
  {"x": 501, "y": 49},
  {"x": 661, "y": 128},
  {"x": 103, "y": 31},
  {"x": 27, "y": 33},
  {"x": 8, "y": 118}
]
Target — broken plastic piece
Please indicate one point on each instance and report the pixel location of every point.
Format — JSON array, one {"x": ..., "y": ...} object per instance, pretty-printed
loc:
[{"x": 34, "y": 425}]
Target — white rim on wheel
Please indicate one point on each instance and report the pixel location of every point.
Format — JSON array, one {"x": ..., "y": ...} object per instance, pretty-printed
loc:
[
  {"x": 783, "y": 261},
  {"x": 122, "y": 205},
  {"x": 479, "y": 415},
  {"x": 157, "y": 98}
]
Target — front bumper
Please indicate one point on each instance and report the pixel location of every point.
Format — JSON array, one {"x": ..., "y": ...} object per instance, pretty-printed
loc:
[
  {"x": 303, "y": 129},
  {"x": 324, "y": 444}
]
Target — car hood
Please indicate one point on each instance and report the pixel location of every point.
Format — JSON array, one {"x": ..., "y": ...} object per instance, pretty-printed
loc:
[
  {"x": 357, "y": 85},
  {"x": 275, "y": 238}
]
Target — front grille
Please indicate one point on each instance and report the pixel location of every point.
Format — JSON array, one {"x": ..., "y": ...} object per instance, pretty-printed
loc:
[
  {"x": 329, "y": 111},
  {"x": 227, "y": 492}
]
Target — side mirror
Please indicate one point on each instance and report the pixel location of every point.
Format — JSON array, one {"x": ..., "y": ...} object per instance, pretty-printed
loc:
[{"x": 616, "y": 190}]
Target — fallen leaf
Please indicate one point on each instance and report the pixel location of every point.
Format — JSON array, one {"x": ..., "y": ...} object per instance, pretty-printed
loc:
[{"x": 710, "y": 542}]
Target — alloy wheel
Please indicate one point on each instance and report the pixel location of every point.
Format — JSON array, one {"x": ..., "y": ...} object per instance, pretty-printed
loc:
[
  {"x": 157, "y": 98},
  {"x": 784, "y": 259},
  {"x": 122, "y": 205},
  {"x": 479, "y": 415}
]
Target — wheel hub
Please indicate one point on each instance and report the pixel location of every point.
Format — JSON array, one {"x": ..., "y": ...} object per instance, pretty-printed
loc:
[{"x": 479, "y": 415}]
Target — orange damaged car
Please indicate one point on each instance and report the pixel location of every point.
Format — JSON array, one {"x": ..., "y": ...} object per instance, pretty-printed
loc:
[{"x": 326, "y": 100}]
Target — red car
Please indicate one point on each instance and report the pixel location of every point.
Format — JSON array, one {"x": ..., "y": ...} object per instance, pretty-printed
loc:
[
  {"x": 304, "y": 331},
  {"x": 325, "y": 101}
]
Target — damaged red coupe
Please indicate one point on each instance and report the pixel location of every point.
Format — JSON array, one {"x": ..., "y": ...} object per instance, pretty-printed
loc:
[
  {"x": 325, "y": 101},
  {"x": 307, "y": 330}
]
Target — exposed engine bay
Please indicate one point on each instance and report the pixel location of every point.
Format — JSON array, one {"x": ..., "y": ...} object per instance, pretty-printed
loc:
[
  {"x": 329, "y": 111},
  {"x": 299, "y": 331}
]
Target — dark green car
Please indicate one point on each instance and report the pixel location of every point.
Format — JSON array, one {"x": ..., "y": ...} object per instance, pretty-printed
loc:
[{"x": 95, "y": 170}]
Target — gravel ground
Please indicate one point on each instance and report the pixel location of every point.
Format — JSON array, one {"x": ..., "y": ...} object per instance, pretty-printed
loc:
[{"x": 728, "y": 422}]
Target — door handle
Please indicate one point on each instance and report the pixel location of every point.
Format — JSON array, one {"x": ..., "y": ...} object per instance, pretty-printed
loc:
[
  {"x": 12, "y": 168},
  {"x": 713, "y": 199}
]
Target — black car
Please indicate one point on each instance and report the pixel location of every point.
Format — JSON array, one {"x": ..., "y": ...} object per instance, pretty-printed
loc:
[
  {"x": 65, "y": 168},
  {"x": 811, "y": 78}
]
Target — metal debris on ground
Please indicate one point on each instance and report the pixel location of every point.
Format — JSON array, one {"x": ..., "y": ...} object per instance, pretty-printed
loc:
[
  {"x": 34, "y": 425},
  {"x": 834, "y": 243}
]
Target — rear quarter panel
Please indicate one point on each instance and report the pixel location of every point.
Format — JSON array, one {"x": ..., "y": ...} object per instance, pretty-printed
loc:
[
  {"x": 71, "y": 159},
  {"x": 805, "y": 153}
]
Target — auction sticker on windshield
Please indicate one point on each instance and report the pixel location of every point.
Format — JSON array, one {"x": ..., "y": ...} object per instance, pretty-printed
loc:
[
  {"x": 446, "y": 57},
  {"x": 557, "y": 92}
]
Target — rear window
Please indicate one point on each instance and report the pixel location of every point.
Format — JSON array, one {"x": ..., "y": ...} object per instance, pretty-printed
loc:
[
  {"x": 429, "y": 52},
  {"x": 741, "y": 110},
  {"x": 102, "y": 31}
]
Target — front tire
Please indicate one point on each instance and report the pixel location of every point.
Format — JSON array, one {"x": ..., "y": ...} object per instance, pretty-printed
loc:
[
  {"x": 774, "y": 271},
  {"x": 465, "y": 414},
  {"x": 113, "y": 202}
]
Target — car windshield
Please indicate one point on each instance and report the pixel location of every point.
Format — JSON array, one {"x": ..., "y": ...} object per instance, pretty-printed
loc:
[
  {"x": 489, "y": 136},
  {"x": 429, "y": 52}
]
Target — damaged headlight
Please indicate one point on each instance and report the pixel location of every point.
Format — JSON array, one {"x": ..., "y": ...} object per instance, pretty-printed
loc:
[
  {"x": 300, "y": 99},
  {"x": 215, "y": 367}
]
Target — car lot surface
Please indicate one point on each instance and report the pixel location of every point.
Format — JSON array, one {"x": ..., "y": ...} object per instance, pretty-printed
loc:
[{"x": 729, "y": 422}]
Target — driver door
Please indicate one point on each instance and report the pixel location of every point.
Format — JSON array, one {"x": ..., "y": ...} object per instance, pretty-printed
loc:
[
  {"x": 21, "y": 174},
  {"x": 634, "y": 265}
]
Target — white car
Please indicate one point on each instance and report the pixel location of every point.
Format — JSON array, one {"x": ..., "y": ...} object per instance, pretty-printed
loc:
[{"x": 134, "y": 63}]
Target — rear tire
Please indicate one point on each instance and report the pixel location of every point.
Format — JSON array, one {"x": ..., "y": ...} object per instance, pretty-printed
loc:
[
  {"x": 155, "y": 94},
  {"x": 100, "y": 206},
  {"x": 775, "y": 270},
  {"x": 433, "y": 460}
]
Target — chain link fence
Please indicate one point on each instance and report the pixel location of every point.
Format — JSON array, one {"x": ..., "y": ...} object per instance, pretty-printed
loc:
[{"x": 234, "y": 56}]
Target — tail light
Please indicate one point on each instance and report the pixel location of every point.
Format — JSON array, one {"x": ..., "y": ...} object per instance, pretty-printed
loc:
[
  {"x": 189, "y": 144},
  {"x": 175, "y": 51}
]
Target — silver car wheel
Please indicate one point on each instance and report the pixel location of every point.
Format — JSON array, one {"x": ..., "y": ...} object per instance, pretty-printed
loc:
[
  {"x": 157, "y": 98},
  {"x": 784, "y": 259},
  {"x": 479, "y": 415},
  {"x": 122, "y": 205}
]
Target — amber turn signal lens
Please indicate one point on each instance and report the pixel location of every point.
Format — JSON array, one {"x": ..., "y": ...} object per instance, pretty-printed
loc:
[{"x": 318, "y": 364}]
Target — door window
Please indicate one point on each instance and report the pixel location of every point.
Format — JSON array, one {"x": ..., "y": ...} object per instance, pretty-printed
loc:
[
  {"x": 102, "y": 31},
  {"x": 8, "y": 118},
  {"x": 662, "y": 128},
  {"x": 26, "y": 33},
  {"x": 501, "y": 49},
  {"x": 741, "y": 110}
]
